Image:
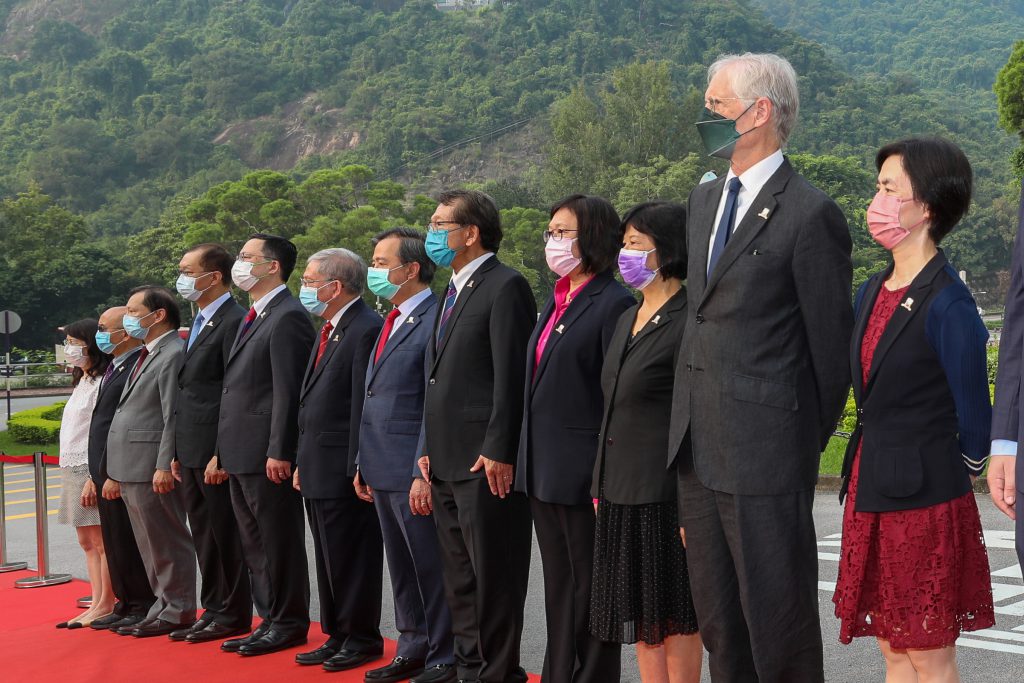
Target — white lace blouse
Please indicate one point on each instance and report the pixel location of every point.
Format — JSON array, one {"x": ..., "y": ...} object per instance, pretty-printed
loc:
[{"x": 74, "y": 426}]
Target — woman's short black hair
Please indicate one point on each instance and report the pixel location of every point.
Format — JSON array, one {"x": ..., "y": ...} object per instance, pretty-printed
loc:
[
  {"x": 599, "y": 235},
  {"x": 665, "y": 223},
  {"x": 940, "y": 176},
  {"x": 85, "y": 330}
]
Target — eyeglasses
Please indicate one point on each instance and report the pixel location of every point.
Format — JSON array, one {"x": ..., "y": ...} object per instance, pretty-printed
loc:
[
  {"x": 714, "y": 103},
  {"x": 306, "y": 282},
  {"x": 556, "y": 235},
  {"x": 242, "y": 256},
  {"x": 438, "y": 226},
  {"x": 68, "y": 341}
]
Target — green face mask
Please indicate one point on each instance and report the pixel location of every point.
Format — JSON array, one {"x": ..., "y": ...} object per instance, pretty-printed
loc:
[{"x": 719, "y": 134}]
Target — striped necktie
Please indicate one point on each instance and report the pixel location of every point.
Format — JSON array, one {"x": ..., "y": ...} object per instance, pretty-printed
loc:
[{"x": 446, "y": 312}]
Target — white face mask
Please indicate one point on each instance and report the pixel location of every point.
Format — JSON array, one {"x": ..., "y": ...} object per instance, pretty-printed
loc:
[
  {"x": 241, "y": 274},
  {"x": 75, "y": 355},
  {"x": 186, "y": 286}
]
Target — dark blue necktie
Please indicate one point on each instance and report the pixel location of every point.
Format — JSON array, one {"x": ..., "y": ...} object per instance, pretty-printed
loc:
[
  {"x": 197, "y": 326},
  {"x": 725, "y": 226},
  {"x": 446, "y": 311}
]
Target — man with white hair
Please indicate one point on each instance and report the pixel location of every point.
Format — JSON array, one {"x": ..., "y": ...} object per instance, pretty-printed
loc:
[
  {"x": 762, "y": 376},
  {"x": 347, "y": 545}
]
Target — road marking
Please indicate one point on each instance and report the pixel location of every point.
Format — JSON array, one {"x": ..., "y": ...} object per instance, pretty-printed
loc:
[
  {"x": 29, "y": 480},
  {"x": 829, "y": 586},
  {"x": 29, "y": 515},
  {"x": 965, "y": 641},
  {"x": 32, "y": 488},
  {"x": 830, "y": 543},
  {"x": 1013, "y": 572},
  {"x": 829, "y": 556},
  {"x": 28, "y": 501},
  {"x": 997, "y": 634},
  {"x": 999, "y": 539}
]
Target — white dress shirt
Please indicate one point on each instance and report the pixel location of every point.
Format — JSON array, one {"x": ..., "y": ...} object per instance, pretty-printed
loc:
[
  {"x": 213, "y": 306},
  {"x": 463, "y": 276},
  {"x": 336, "y": 318},
  {"x": 406, "y": 308},
  {"x": 752, "y": 181},
  {"x": 261, "y": 304}
]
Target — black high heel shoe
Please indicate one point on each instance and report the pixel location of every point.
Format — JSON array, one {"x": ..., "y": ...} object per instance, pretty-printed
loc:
[
  {"x": 75, "y": 625},
  {"x": 62, "y": 624}
]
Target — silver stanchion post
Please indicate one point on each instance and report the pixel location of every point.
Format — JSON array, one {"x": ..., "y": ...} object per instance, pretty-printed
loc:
[
  {"x": 5, "y": 566},
  {"x": 42, "y": 538}
]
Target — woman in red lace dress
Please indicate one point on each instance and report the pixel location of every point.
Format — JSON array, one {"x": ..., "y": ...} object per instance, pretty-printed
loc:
[{"x": 913, "y": 571}]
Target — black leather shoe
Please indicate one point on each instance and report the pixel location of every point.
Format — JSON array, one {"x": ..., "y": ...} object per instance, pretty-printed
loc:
[
  {"x": 348, "y": 659},
  {"x": 157, "y": 627},
  {"x": 183, "y": 633},
  {"x": 127, "y": 625},
  {"x": 213, "y": 631},
  {"x": 439, "y": 673},
  {"x": 273, "y": 641},
  {"x": 400, "y": 669},
  {"x": 319, "y": 655},
  {"x": 105, "y": 622},
  {"x": 235, "y": 643}
]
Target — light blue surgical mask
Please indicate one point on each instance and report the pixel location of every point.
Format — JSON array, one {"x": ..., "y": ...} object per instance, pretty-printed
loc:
[
  {"x": 309, "y": 298},
  {"x": 133, "y": 326},
  {"x": 378, "y": 282},
  {"x": 104, "y": 343},
  {"x": 437, "y": 247}
]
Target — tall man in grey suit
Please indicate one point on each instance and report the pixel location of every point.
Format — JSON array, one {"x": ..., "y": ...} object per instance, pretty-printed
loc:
[
  {"x": 346, "y": 536},
  {"x": 1005, "y": 486},
  {"x": 140, "y": 447},
  {"x": 388, "y": 436},
  {"x": 205, "y": 278},
  {"x": 257, "y": 436},
  {"x": 761, "y": 379}
]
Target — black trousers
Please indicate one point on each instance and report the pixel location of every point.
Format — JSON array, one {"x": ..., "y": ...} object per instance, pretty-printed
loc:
[
  {"x": 753, "y": 564},
  {"x": 485, "y": 544},
  {"x": 128, "y": 575},
  {"x": 565, "y": 534},
  {"x": 349, "y": 556},
  {"x": 273, "y": 535},
  {"x": 225, "y": 592}
]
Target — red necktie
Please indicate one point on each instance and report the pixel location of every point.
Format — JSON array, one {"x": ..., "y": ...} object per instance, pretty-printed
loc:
[
  {"x": 389, "y": 324},
  {"x": 138, "y": 364},
  {"x": 325, "y": 332},
  {"x": 249, "y": 317}
]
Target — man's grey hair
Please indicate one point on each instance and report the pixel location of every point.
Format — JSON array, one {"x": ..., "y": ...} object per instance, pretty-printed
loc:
[
  {"x": 764, "y": 75},
  {"x": 343, "y": 265}
]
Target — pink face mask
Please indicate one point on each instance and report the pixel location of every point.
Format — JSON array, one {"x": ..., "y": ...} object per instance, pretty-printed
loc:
[
  {"x": 884, "y": 220},
  {"x": 558, "y": 254}
]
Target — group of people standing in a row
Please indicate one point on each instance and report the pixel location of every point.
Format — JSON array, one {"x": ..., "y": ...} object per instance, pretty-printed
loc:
[{"x": 666, "y": 452}]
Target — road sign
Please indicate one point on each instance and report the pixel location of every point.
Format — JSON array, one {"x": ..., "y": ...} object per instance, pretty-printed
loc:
[{"x": 10, "y": 322}]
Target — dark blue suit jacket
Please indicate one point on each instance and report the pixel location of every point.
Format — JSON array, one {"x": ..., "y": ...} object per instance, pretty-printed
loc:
[
  {"x": 564, "y": 402},
  {"x": 329, "y": 404},
  {"x": 392, "y": 416}
]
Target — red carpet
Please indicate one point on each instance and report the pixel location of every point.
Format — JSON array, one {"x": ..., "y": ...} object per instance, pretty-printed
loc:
[{"x": 33, "y": 651}]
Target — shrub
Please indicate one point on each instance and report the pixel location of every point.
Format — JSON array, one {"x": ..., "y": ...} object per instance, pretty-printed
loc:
[{"x": 36, "y": 425}]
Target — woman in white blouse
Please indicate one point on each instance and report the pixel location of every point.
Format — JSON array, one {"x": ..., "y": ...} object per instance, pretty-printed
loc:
[{"x": 78, "y": 492}]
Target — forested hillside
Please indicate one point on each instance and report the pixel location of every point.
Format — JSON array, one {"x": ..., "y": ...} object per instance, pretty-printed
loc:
[{"x": 129, "y": 128}]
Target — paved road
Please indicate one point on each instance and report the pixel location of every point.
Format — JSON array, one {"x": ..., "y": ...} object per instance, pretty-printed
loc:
[
  {"x": 19, "y": 404},
  {"x": 994, "y": 656}
]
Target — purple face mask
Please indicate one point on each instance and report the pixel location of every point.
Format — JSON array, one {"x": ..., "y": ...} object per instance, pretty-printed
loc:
[{"x": 633, "y": 267}]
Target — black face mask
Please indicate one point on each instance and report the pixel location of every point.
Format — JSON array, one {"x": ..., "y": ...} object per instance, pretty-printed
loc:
[{"x": 719, "y": 134}]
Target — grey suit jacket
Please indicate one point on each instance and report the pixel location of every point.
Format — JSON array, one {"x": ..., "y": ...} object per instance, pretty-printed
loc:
[
  {"x": 141, "y": 437},
  {"x": 1007, "y": 413},
  {"x": 763, "y": 374}
]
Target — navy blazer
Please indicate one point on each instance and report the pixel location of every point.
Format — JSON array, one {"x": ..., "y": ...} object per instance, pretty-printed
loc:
[
  {"x": 924, "y": 415},
  {"x": 330, "y": 404},
  {"x": 103, "y": 415},
  {"x": 564, "y": 403},
  {"x": 392, "y": 418}
]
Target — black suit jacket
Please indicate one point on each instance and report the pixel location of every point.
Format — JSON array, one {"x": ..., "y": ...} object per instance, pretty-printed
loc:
[
  {"x": 103, "y": 415},
  {"x": 914, "y": 437},
  {"x": 564, "y": 403},
  {"x": 260, "y": 403},
  {"x": 473, "y": 404},
  {"x": 637, "y": 379},
  {"x": 201, "y": 385},
  {"x": 331, "y": 403},
  {"x": 763, "y": 377}
]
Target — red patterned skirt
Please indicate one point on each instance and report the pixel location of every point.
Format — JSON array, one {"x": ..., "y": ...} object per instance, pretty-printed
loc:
[{"x": 915, "y": 578}]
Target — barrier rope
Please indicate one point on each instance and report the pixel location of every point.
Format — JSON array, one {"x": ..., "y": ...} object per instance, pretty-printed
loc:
[{"x": 28, "y": 459}]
